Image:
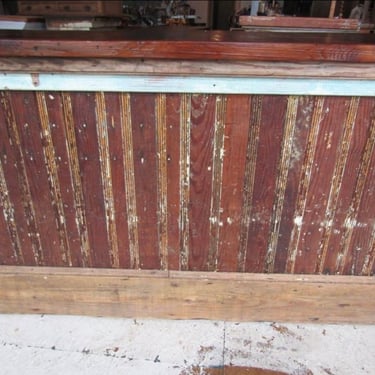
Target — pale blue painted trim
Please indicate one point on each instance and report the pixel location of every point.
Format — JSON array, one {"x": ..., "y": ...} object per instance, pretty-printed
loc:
[{"x": 188, "y": 84}]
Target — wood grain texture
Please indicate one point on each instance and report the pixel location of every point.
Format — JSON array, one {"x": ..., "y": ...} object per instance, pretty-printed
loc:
[
  {"x": 235, "y": 144},
  {"x": 174, "y": 178},
  {"x": 234, "y": 183},
  {"x": 83, "y": 109},
  {"x": 180, "y": 295},
  {"x": 266, "y": 175},
  {"x": 166, "y": 43},
  {"x": 201, "y": 68},
  {"x": 203, "y": 110},
  {"x": 116, "y": 159},
  {"x": 145, "y": 175}
]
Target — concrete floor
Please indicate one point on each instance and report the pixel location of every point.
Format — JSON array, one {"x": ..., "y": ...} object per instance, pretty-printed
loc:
[{"x": 83, "y": 345}]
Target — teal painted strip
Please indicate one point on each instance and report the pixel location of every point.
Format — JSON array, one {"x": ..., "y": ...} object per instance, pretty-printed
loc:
[{"x": 191, "y": 84}]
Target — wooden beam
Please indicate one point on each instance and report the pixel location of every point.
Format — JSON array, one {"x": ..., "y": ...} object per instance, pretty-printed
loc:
[
  {"x": 170, "y": 43},
  {"x": 195, "y": 68},
  {"x": 188, "y": 295},
  {"x": 192, "y": 84}
]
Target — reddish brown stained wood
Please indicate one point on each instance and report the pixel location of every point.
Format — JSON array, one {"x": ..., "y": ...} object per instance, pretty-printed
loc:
[
  {"x": 113, "y": 112},
  {"x": 53, "y": 179},
  {"x": 16, "y": 179},
  {"x": 249, "y": 177},
  {"x": 58, "y": 135},
  {"x": 361, "y": 248},
  {"x": 89, "y": 161},
  {"x": 9, "y": 242},
  {"x": 303, "y": 122},
  {"x": 269, "y": 146},
  {"x": 46, "y": 233},
  {"x": 162, "y": 183},
  {"x": 201, "y": 164},
  {"x": 185, "y": 145},
  {"x": 173, "y": 179},
  {"x": 106, "y": 177},
  {"x": 217, "y": 174},
  {"x": 169, "y": 43},
  {"x": 350, "y": 193},
  {"x": 281, "y": 181},
  {"x": 314, "y": 220},
  {"x": 145, "y": 170},
  {"x": 187, "y": 67},
  {"x": 337, "y": 182},
  {"x": 235, "y": 145}
]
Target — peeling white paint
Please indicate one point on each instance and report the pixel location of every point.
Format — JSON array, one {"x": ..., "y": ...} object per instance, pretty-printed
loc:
[
  {"x": 190, "y": 85},
  {"x": 298, "y": 220}
]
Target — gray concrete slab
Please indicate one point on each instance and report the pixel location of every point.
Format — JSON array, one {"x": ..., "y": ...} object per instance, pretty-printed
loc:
[{"x": 35, "y": 344}]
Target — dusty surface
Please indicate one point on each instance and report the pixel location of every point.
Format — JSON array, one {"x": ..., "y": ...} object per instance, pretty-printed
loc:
[{"x": 81, "y": 345}]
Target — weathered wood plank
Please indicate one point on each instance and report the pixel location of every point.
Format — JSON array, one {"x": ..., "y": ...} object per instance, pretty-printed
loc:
[
  {"x": 314, "y": 221},
  {"x": 299, "y": 141},
  {"x": 83, "y": 109},
  {"x": 266, "y": 172},
  {"x": 177, "y": 67},
  {"x": 237, "y": 125},
  {"x": 145, "y": 174},
  {"x": 44, "y": 232},
  {"x": 352, "y": 188},
  {"x": 116, "y": 157},
  {"x": 173, "y": 178},
  {"x": 201, "y": 167},
  {"x": 165, "y": 43},
  {"x": 188, "y": 295}
]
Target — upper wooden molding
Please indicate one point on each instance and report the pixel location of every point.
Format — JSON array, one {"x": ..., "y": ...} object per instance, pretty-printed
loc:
[{"x": 185, "y": 44}]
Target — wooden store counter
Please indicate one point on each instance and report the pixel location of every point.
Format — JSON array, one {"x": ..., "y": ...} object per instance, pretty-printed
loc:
[{"x": 134, "y": 164}]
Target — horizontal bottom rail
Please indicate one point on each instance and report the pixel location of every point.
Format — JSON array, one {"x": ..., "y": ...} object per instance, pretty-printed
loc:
[{"x": 187, "y": 295}]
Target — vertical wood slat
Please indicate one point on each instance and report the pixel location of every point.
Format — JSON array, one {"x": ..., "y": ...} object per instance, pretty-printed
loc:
[
  {"x": 282, "y": 170},
  {"x": 174, "y": 181},
  {"x": 116, "y": 156},
  {"x": 266, "y": 172},
  {"x": 352, "y": 190},
  {"x": 53, "y": 178},
  {"x": 106, "y": 174},
  {"x": 185, "y": 126},
  {"x": 299, "y": 145},
  {"x": 304, "y": 182},
  {"x": 75, "y": 173},
  {"x": 337, "y": 182},
  {"x": 131, "y": 203},
  {"x": 11, "y": 250},
  {"x": 145, "y": 174},
  {"x": 23, "y": 182},
  {"x": 235, "y": 145},
  {"x": 217, "y": 175},
  {"x": 201, "y": 164},
  {"x": 249, "y": 178},
  {"x": 327, "y": 149},
  {"x": 87, "y": 138},
  {"x": 161, "y": 140},
  {"x": 185, "y": 197}
]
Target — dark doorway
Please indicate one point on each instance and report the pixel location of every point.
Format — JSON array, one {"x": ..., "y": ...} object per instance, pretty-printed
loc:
[{"x": 223, "y": 11}]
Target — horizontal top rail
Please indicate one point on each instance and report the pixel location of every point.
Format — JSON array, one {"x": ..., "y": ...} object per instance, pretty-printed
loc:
[{"x": 186, "y": 44}]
